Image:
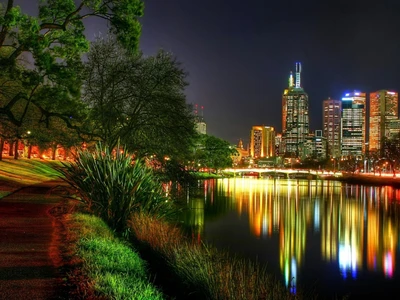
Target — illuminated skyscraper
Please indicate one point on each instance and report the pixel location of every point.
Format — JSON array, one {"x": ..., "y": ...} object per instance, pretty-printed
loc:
[
  {"x": 353, "y": 124},
  {"x": 201, "y": 126},
  {"x": 295, "y": 120},
  {"x": 331, "y": 114},
  {"x": 383, "y": 108},
  {"x": 262, "y": 142}
]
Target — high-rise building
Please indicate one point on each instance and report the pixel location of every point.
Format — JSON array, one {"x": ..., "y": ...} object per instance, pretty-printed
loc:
[
  {"x": 331, "y": 114},
  {"x": 353, "y": 134},
  {"x": 315, "y": 145},
  {"x": 262, "y": 142},
  {"x": 383, "y": 110},
  {"x": 201, "y": 126},
  {"x": 295, "y": 119}
]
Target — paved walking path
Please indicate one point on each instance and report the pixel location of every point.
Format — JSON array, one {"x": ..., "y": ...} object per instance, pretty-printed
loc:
[{"x": 29, "y": 244}]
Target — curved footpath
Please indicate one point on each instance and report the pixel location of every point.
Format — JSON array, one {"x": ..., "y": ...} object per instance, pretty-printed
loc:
[{"x": 30, "y": 259}]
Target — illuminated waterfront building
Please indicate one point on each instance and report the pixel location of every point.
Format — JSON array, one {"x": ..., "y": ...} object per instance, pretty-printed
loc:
[
  {"x": 315, "y": 146},
  {"x": 262, "y": 141},
  {"x": 295, "y": 118},
  {"x": 383, "y": 109},
  {"x": 353, "y": 116},
  {"x": 331, "y": 115},
  {"x": 240, "y": 155},
  {"x": 393, "y": 128},
  {"x": 278, "y": 144}
]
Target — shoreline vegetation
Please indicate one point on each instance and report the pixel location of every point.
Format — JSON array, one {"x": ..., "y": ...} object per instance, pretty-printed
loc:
[{"x": 151, "y": 258}]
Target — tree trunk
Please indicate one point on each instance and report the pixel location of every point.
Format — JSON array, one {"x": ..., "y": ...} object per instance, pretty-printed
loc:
[
  {"x": 66, "y": 151},
  {"x": 29, "y": 151},
  {"x": 1, "y": 148},
  {"x": 53, "y": 152},
  {"x": 10, "y": 148},
  {"x": 16, "y": 149}
]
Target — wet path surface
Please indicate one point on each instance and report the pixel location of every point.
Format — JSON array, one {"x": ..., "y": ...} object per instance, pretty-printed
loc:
[{"x": 29, "y": 244}]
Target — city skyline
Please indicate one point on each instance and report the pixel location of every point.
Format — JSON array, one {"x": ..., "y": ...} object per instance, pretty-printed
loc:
[{"x": 238, "y": 55}]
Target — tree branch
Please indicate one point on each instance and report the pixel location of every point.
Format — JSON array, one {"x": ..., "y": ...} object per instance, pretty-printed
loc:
[
  {"x": 66, "y": 21},
  {"x": 4, "y": 29}
]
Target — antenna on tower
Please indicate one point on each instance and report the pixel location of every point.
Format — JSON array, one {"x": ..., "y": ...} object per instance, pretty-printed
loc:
[
  {"x": 291, "y": 79},
  {"x": 298, "y": 73},
  {"x": 202, "y": 111}
]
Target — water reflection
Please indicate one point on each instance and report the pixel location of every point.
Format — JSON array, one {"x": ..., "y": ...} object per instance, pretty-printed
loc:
[{"x": 356, "y": 227}]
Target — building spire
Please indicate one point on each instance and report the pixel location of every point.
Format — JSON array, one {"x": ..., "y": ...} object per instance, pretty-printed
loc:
[
  {"x": 291, "y": 79},
  {"x": 298, "y": 73}
]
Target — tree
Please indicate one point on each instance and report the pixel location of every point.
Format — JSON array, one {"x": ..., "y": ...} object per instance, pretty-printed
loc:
[
  {"x": 138, "y": 101},
  {"x": 43, "y": 54},
  {"x": 214, "y": 153}
]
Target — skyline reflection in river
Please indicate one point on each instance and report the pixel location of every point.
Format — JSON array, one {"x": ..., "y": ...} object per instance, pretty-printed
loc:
[{"x": 325, "y": 232}]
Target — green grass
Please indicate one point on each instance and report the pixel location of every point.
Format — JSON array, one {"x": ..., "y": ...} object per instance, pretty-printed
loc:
[{"x": 116, "y": 270}]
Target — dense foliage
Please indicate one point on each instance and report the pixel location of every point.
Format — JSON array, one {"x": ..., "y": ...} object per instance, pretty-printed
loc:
[
  {"x": 41, "y": 58},
  {"x": 137, "y": 100},
  {"x": 112, "y": 185},
  {"x": 212, "y": 153}
]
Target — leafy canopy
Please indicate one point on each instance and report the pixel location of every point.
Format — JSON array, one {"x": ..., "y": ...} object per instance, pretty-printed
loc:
[
  {"x": 42, "y": 54},
  {"x": 137, "y": 100}
]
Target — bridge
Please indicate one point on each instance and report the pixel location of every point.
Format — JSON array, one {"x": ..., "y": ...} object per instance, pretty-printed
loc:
[{"x": 278, "y": 173}]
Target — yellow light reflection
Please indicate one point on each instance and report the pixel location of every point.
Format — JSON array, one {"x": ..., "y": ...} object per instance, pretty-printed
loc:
[{"x": 351, "y": 221}]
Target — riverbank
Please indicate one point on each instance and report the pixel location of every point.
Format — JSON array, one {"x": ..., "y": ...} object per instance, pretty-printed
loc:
[
  {"x": 367, "y": 179},
  {"x": 73, "y": 276}
]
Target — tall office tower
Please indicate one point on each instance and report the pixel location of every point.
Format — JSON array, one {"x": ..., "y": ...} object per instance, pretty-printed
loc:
[
  {"x": 353, "y": 135},
  {"x": 295, "y": 119},
  {"x": 201, "y": 126},
  {"x": 262, "y": 141},
  {"x": 383, "y": 109},
  {"x": 331, "y": 114}
]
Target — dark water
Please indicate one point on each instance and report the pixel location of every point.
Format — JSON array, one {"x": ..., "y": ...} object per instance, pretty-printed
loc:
[{"x": 329, "y": 237}]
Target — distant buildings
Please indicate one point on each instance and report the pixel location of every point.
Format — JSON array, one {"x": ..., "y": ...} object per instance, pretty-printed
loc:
[
  {"x": 353, "y": 134},
  {"x": 200, "y": 124},
  {"x": 239, "y": 158},
  {"x": 345, "y": 130},
  {"x": 383, "y": 117},
  {"x": 262, "y": 142},
  {"x": 315, "y": 146},
  {"x": 331, "y": 116},
  {"x": 295, "y": 119}
]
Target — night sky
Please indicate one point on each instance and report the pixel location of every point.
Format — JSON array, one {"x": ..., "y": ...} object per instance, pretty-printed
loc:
[{"x": 238, "y": 54}]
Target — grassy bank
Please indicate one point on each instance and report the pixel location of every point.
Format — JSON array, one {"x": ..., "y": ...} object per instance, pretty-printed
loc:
[
  {"x": 99, "y": 265},
  {"x": 181, "y": 268},
  {"x": 191, "y": 270},
  {"x": 113, "y": 270}
]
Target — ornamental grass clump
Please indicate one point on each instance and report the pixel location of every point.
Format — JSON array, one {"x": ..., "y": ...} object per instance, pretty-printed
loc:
[
  {"x": 202, "y": 270},
  {"x": 112, "y": 185}
]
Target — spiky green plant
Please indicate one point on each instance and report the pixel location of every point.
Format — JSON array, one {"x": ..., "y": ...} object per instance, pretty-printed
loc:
[{"x": 112, "y": 185}]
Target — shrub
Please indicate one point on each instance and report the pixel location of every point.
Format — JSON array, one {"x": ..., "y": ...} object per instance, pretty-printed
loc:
[{"x": 113, "y": 185}]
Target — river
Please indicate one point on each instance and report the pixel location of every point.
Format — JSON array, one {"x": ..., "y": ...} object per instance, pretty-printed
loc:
[{"x": 320, "y": 236}]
